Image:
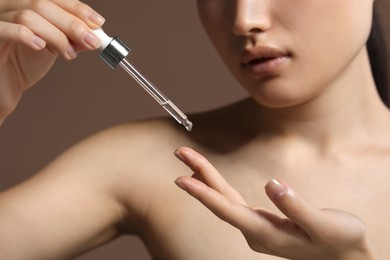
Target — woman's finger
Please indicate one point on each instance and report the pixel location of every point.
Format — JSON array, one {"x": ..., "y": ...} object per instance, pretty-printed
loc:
[
  {"x": 264, "y": 231},
  {"x": 75, "y": 7},
  {"x": 72, "y": 26},
  {"x": 8, "y": 6},
  {"x": 82, "y": 11},
  {"x": 55, "y": 39},
  {"x": 18, "y": 33},
  {"x": 208, "y": 174},
  {"x": 294, "y": 206},
  {"x": 237, "y": 215}
]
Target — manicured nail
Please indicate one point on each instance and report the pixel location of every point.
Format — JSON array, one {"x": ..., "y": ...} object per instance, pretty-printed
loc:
[
  {"x": 179, "y": 155},
  {"x": 276, "y": 189},
  {"x": 39, "y": 42},
  {"x": 96, "y": 19},
  {"x": 92, "y": 40},
  {"x": 180, "y": 184},
  {"x": 72, "y": 54}
]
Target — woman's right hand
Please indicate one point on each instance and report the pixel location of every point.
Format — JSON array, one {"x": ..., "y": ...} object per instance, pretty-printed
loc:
[{"x": 32, "y": 34}]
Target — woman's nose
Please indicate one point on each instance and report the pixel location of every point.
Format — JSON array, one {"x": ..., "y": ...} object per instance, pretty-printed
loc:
[{"x": 251, "y": 16}]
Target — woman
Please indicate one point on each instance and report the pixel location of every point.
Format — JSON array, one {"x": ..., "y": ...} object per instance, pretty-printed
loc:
[
  {"x": 291, "y": 111},
  {"x": 315, "y": 121}
]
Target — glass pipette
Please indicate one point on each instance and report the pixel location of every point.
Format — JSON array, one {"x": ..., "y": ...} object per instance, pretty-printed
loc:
[{"x": 114, "y": 52}]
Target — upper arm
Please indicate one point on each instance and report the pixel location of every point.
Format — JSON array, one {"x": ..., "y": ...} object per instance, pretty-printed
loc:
[{"x": 76, "y": 202}]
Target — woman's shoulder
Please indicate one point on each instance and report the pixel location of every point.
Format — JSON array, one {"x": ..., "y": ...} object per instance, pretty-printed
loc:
[
  {"x": 133, "y": 138},
  {"x": 166, "y": 131},
  {"x": 211, "y": 130}
]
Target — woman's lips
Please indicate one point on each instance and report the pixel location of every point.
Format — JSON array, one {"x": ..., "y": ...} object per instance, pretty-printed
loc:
[{"x": 263, "y": 60}]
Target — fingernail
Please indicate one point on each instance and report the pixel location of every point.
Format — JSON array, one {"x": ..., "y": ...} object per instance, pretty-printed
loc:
[
  {"x": 179, "y": 155},
  {"x": 39, "y": 42},
  {"x": 96, "y": 19},
  {"x": 72, "y": 54},
  {"x": 276, "y": 189},
  {"x": 92, "y": 40},
  {"x": 180, "y": 184}
]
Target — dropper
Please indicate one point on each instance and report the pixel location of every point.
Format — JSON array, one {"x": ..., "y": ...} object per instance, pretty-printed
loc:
[{"x": 114, "y": 52}]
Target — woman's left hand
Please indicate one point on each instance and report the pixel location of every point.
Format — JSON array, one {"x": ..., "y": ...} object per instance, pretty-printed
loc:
[{"x": 306, "y": 233}]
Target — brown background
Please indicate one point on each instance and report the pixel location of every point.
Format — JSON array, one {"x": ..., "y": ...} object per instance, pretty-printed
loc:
[
  {"x": 84, "y": 96},
  {"x": 81, "y": 97}
]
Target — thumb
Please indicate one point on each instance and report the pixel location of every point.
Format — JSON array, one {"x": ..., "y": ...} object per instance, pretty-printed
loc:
[{"x": 294, "y": 206}]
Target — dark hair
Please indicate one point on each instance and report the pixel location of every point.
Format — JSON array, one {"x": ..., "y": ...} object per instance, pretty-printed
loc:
[{"x": 376, "y": 46}]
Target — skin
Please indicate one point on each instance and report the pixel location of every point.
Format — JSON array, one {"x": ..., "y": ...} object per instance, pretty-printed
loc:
[
  {"x": 317, "y": 123},
  {"x": 33, "y": 34}
]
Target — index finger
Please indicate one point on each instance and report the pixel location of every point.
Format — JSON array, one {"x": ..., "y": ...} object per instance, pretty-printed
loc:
[
  {"x": 238, "y": 215},
  {"x": 82, "y": 11},
  {"x": 207, "y": 172}
]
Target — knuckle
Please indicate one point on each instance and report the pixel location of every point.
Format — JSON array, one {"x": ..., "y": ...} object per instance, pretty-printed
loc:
[
  {"x": 202, "y": 167},
  {"x": 59, "y": 44},
  {"x": 77, "y": 28},
  {"x": 38, "y": 5},
  {"x": 205, "y": 165},
  {"x": 24, "y": 17},
  {"x": 82, "y": 10},
  {"x": 22, "y": 32}
]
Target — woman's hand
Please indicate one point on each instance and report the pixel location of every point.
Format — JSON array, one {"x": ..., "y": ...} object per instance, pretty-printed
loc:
[
  {"x": 306, "y": 233},
  {"x": 32, "y": 34}
]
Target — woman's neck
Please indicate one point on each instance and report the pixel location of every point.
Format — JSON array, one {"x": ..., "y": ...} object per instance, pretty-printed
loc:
[{"x": 348, "y": 109}]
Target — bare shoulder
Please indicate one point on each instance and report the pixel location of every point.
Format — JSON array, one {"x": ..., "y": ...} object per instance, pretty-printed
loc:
[
  {"x": 151, "y": 137},
  {"x": 128, "y": 142},
  {"x": 132, "y": 149}
]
